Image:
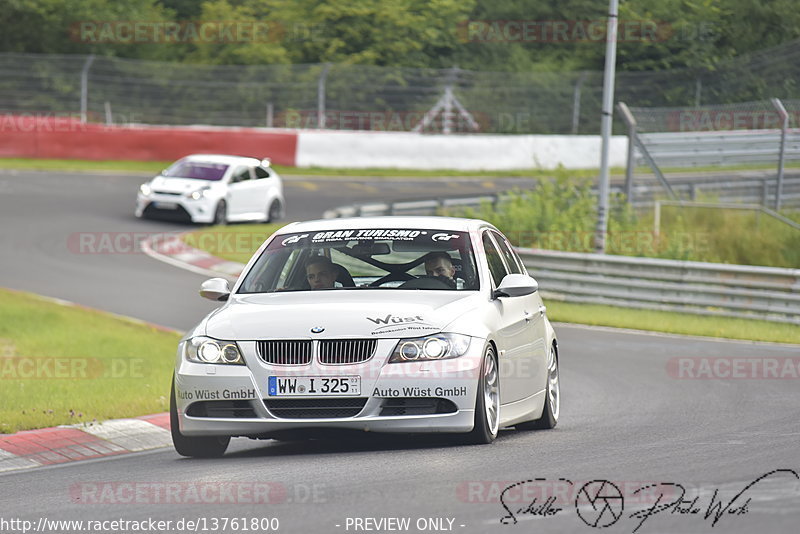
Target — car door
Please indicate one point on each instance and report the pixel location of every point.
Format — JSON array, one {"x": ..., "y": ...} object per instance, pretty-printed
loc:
[
  {"x": 265, "y": 189},
  {"x": 513, "y": 334},
  {"x": 532, "y": 363},
  {"x": 240, "y": 193}
]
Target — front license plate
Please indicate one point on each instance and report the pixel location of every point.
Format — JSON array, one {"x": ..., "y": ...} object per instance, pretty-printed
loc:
[
  {"x": 284, "y": 386},
  {"x": 166, "y": 205}
]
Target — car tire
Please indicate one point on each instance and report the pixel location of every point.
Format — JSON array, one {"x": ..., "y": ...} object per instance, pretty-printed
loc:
[
  {"x": 487, "y": 401},
  {"x": 552, "y": 399},
  {"x": 194, "y": 447},
  {"x": 220, "y": 214},
  {"x": 275, "y": 211}
]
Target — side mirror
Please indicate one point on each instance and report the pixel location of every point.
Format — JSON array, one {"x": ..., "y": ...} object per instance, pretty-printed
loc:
[
  {"x": 516, "y": 285},
  {"x": 163, "y": 172},
  {"x": 215, "y": 289},
  {"x": 266, "y": 162}
]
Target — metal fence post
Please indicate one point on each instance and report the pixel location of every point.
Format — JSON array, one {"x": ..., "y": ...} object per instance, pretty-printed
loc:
[
  {"x": 447, "y": 114},
  {"x": 698, "y": 90},
  {"x": 321, "y": 95},
  {"x": 782, "y": 152},
  {"x": 85, "y": 86},
  {"x": 576, "y": 102},
  {"x": 630, "y": 121}
]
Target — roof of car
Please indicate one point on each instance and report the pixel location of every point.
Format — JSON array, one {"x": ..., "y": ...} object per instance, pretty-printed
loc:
[
  {"x": 426, "y": 222},
  {"x": 223, "y": 158}
]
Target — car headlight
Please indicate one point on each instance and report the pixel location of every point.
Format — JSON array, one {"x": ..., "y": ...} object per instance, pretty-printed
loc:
[
  {"x": 207, "y": 350},
  {"x": 145, "y": 189},
  {"x": 435, "y": 347},
  {"x": 197, "y": 195}
]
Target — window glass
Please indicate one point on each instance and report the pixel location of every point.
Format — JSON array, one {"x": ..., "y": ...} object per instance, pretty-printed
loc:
[
  {"x": 241, "y": 174},
  {"x": 372, "y": 258},
  {"x": 496, "y": 266},
  {"x": 197, "y": 170},
  {"x": 261, "y": 172},
  {"x": 511, "y": 260}
]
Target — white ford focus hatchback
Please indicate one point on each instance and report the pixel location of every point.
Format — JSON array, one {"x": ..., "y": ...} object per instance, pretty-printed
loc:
[
  {"x": 205, "y": 188},
  {"x": 384, "y": 324}
]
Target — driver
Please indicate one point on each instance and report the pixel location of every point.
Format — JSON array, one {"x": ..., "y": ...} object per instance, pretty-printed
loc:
[
  {"x": 440, "y": 265},
  {"x": 320, "y": 273}
]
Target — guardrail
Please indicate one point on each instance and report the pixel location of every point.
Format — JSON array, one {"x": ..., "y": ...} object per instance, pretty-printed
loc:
[
  {"x": 682, "y": 149},
  {"x": 703, "y": 140},
  {"x": 766, "y": 293},
  {"x": 747, "y": 191}
]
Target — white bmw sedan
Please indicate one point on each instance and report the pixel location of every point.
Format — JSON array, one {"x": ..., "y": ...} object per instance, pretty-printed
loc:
[
  {"x": 384, "y": 324},
  {"x": 206, "y": 188}
]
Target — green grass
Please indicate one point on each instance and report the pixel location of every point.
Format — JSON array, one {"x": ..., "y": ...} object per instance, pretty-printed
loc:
[
  {"x": 728, "y": 236},
  {"x": 418, "y": 173},
  {"x": 672, "y": 322},
  {"x": 79, "y": 165},
  {"x": 561, "y": 214},
  {"x": 154, "y": 167},
  {"x": 66, "y": 365}
]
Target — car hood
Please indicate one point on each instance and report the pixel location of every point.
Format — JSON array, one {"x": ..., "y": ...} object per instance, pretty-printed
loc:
[
  {"x": 170, "y": 184},
  {"x": 368, "y": 313}
]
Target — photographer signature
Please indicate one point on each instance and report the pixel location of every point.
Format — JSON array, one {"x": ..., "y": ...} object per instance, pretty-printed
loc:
[{"x": 600, "y": 503}]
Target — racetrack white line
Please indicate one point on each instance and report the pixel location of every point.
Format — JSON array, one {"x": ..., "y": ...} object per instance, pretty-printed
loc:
[
  {"x": 148, "y": 249},
  {"x": 618, "y": 330}
]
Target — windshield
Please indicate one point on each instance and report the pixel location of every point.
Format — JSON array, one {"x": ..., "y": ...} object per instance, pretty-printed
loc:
[
  {"x": 362, "y": 259},
  {"x": 197, "y": 169}
]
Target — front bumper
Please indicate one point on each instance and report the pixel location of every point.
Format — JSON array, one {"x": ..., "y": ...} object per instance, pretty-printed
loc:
[
  {"x": 436, "y": 396},
  {"x": 175, "y": 207}
]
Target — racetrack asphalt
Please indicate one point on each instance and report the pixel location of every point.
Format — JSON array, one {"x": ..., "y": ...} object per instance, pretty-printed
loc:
[{"x": 627, "y": 417}]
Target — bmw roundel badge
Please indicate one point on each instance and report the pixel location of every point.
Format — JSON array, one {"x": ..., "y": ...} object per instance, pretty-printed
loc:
[{"x": 317, "y": 329}]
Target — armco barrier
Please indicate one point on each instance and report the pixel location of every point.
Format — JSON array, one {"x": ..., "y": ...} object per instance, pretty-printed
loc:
[
  {"x": 22, "y": 136},
  {"x": 704, "y": 288},
  {"x": 692, "y": 149}
]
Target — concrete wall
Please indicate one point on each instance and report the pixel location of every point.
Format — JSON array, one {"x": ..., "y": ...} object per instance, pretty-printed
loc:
[
  {"x": 463, "y": 152},
  {"x": 64, "y": 138}
]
